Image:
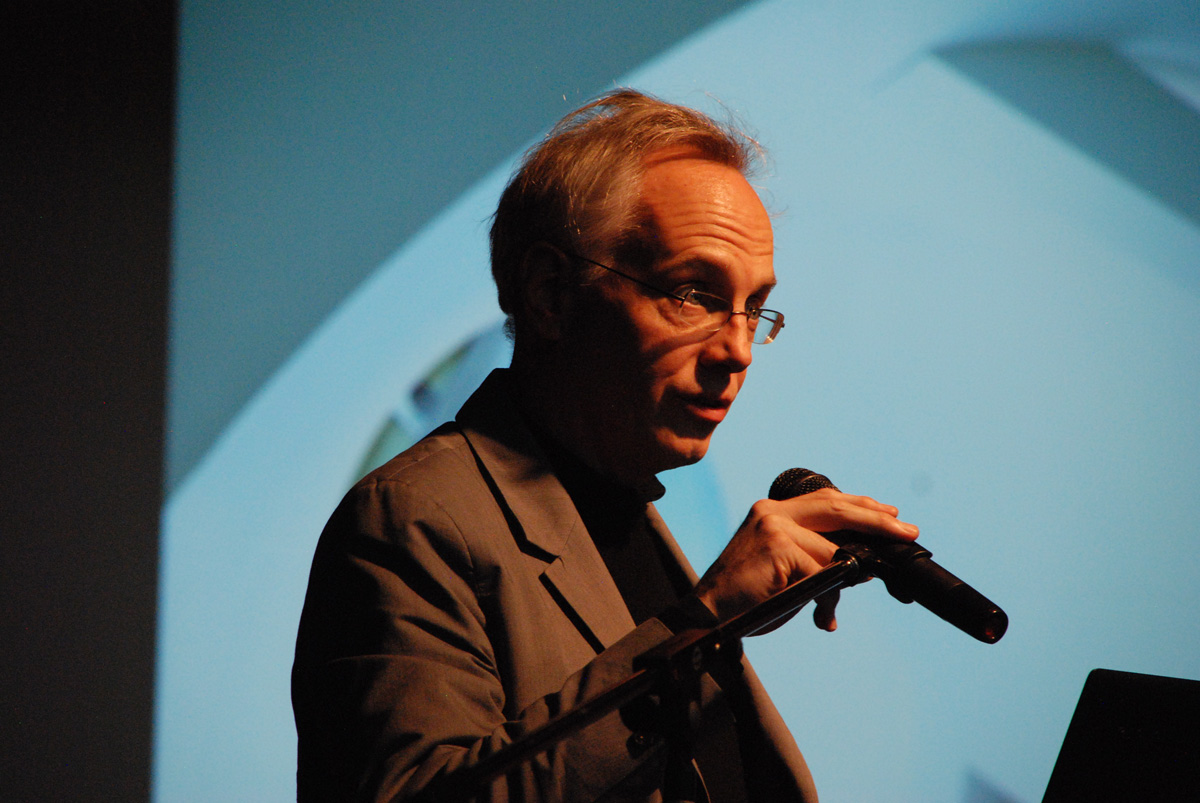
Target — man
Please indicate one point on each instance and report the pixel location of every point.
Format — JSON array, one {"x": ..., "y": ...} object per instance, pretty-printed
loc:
[{"x": 511, "y": 564}]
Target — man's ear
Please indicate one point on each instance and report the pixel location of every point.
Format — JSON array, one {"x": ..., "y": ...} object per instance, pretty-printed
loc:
[{"x": 545, "y": 289}]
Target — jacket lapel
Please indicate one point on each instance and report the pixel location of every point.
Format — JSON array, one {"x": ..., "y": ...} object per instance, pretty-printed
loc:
[
  {"x": 664, "y": 534},
  {"x": 542, "y": 514}
]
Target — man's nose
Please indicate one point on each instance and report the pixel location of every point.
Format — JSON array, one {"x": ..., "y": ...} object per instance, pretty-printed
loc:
[{"x": 732, "y": 342}]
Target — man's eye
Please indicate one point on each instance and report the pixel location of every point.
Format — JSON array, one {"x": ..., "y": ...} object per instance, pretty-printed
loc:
[{"x": 708, "y": 302}]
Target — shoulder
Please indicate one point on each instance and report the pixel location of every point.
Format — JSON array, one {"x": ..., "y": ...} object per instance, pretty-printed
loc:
[
  {"x": 433, "y": 494},
  {"x": 443, "y": 456}
]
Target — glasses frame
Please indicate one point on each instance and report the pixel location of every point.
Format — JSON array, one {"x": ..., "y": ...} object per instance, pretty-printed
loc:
[{"x": 752, "y": 315}]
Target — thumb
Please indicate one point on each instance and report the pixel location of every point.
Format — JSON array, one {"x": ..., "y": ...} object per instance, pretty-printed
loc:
[{"x": 823, "y": 614}]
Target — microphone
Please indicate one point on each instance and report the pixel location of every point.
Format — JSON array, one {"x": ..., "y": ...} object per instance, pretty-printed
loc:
[{"x": 905, "y": 568}]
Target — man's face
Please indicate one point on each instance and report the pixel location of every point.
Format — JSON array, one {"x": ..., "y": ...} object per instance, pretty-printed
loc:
[{"x": 654, "y": 391}]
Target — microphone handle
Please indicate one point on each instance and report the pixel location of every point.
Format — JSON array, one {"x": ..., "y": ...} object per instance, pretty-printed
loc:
[
  {"x": 906, "y": 568},
  {"x": 909, "y": 573}
]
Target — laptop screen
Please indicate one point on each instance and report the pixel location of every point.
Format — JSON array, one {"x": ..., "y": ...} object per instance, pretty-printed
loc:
[{"x": 1132, "y": 738}]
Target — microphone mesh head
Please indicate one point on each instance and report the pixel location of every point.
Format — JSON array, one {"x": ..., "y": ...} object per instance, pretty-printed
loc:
[{"x": 797, "y": 482}]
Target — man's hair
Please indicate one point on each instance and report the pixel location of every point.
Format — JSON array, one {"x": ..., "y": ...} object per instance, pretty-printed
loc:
[{"x": 578, "y": 189}]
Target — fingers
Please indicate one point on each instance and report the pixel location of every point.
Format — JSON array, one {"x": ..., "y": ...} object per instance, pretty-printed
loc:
[
  {"x": 828, "y": 510},
  {"x": 781, "y": 542},
  {"x": 815, "y": 550}
]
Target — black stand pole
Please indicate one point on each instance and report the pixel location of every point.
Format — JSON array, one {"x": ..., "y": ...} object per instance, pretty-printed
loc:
[{"x": 672, "y": 670}]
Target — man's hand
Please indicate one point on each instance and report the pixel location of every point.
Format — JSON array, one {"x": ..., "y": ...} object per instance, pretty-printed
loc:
[{"x": 781, "y": 542}]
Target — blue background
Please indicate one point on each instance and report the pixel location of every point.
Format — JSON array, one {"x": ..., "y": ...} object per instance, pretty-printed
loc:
[{"x": 987, "y": 240}]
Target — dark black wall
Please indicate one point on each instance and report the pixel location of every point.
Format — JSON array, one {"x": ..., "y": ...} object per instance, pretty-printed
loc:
[{"x": 86, "y": 114}]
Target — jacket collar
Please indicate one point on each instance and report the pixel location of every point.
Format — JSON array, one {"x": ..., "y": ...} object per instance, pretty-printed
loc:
[{"x": 540, "y": 511}]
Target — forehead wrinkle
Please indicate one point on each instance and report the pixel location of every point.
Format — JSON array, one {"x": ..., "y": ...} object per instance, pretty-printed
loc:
[
  {"x": 749, "y": 222},
  {"x": 704, "y": 213},
  {"x": 720, "y": 232},
  {"x": 726, "y": 229}
]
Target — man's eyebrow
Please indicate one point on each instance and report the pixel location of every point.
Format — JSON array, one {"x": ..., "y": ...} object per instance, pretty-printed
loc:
[
  {"x": 707, "y": 268},
  {"x": 700, "y": 264}
]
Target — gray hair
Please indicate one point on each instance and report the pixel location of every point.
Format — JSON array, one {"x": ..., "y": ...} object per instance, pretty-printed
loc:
[{"x": 578, "y": 189}]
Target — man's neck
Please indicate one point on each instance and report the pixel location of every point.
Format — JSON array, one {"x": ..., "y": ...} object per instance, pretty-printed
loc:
[{"x": 547, "y": 401}]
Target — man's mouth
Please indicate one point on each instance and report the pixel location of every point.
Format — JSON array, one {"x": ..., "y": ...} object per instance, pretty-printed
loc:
[{"x": 708, "y": 407}]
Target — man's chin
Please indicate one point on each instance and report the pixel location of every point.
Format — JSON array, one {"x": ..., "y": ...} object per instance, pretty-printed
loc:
[{"x": 685, "y": 451}]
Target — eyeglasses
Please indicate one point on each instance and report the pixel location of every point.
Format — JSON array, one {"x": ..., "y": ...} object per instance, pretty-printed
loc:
[{"x": 709, "y": 313}]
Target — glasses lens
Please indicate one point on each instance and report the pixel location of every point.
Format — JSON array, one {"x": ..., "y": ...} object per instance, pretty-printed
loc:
[
  {"x": 704, "y": 311},
  {"x": 768, "y": 325},
  {"x": 710, "y": 313}
]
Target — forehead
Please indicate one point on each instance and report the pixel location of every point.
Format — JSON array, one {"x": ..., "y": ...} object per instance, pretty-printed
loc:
[{"x": 707, "y": 212}]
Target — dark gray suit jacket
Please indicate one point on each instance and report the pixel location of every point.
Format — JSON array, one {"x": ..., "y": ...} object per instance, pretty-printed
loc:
[{"x": 455, "y": 603}]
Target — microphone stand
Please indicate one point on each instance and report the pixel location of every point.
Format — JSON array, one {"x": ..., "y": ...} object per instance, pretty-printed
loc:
[{"x": 672, "y": 671}]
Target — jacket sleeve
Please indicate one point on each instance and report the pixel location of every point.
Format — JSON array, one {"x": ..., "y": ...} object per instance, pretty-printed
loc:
[{"x": 396, "y": 683}]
